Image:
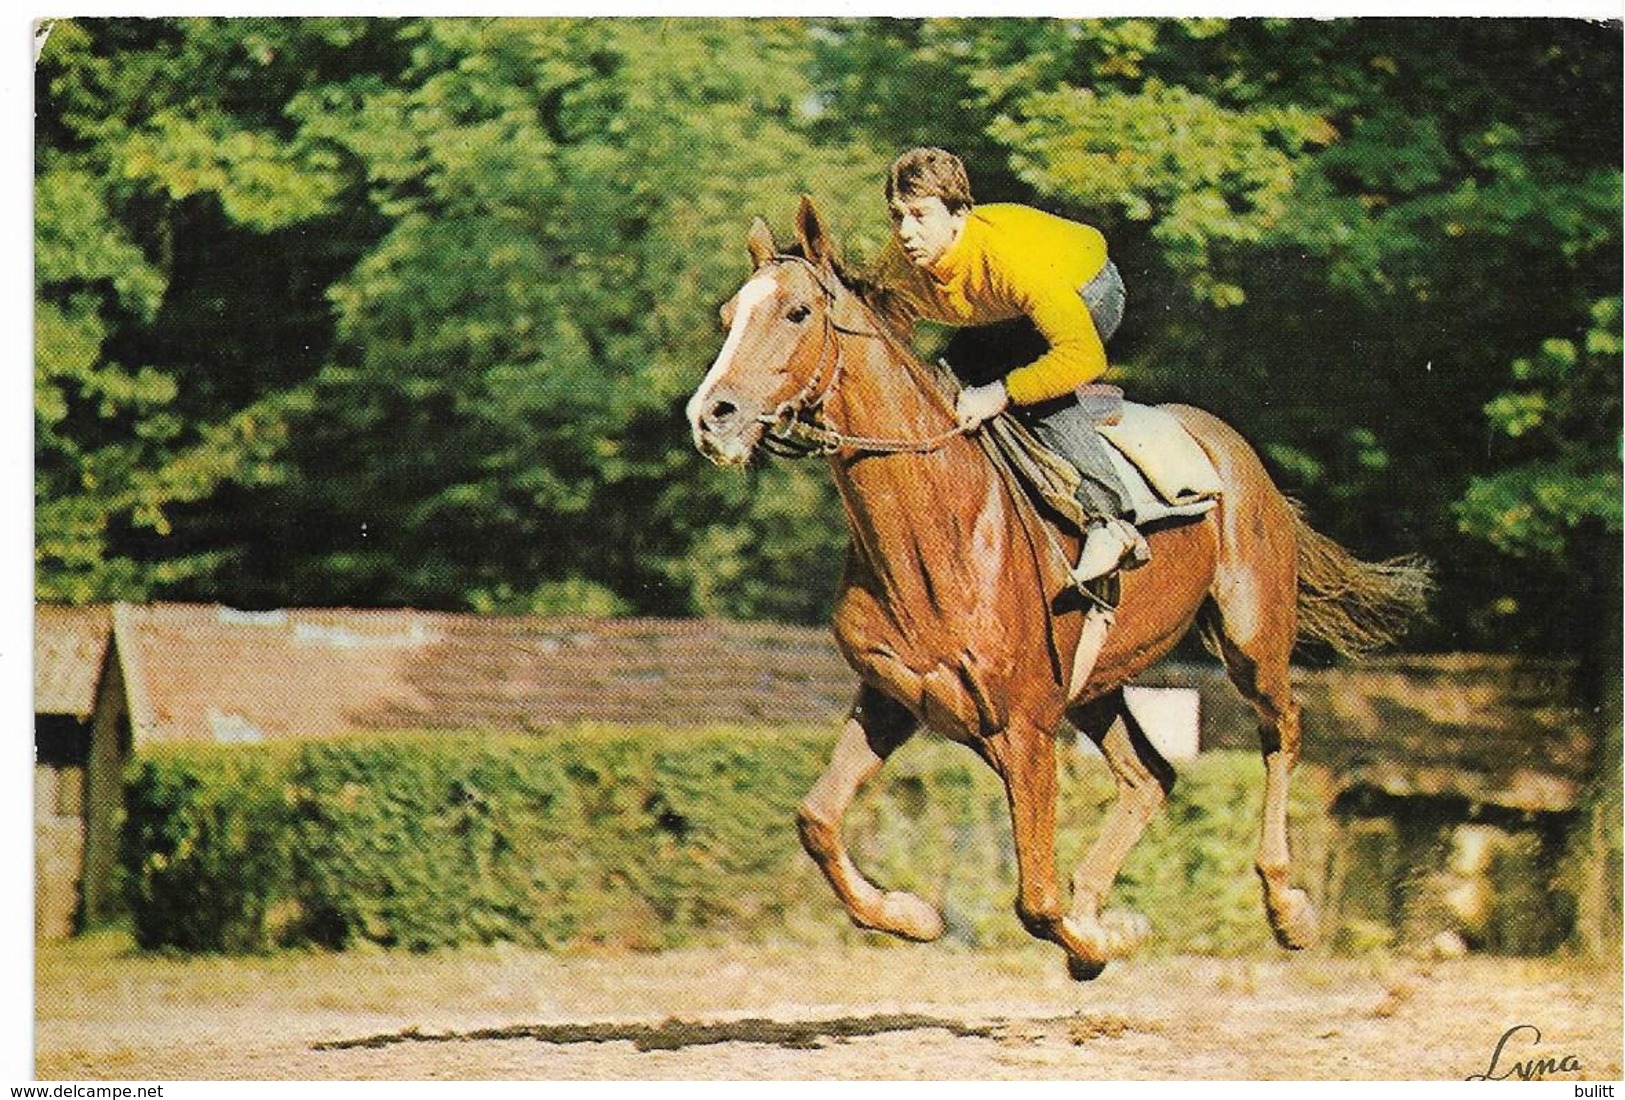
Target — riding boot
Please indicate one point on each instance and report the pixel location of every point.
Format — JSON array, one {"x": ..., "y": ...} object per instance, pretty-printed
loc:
[{"x": 1107, "y": 546}]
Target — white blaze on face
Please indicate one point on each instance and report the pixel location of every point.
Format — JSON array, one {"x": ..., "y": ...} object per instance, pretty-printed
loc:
[{"x": 751, "y": 295}]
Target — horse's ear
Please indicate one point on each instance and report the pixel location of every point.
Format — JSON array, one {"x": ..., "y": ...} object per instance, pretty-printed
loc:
[
  {"x": 760, "y": 243},
  {"x": 816, "y": 244}
]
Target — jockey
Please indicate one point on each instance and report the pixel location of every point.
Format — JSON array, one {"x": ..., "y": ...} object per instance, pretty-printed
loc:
[{"x": 958, "y": 264}]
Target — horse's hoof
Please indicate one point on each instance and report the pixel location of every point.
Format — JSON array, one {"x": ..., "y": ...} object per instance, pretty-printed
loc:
[
  {"x": 1083, "y": 970},
  {"x": 1295, "y": 922},
  {"x": 913, "y": 918}
]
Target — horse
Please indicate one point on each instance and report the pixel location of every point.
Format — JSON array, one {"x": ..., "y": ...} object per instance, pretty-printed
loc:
[{"x": 952, "y": 610}]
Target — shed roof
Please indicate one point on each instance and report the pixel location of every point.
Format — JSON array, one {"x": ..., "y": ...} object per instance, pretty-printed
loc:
[
  {"x": 70, "y": 651},
  {"x": 210, "y": 673}
]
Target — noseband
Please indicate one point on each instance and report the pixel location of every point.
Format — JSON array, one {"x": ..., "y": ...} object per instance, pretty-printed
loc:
[{"x": 797, "y": 428}]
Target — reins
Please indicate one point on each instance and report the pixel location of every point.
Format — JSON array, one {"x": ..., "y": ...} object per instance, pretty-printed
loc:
[
  {"x": 793, "y": 437},
  {"x": 796, "y": 429}
]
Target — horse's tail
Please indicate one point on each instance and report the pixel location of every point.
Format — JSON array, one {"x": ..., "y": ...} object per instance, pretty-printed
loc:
[{"x": 1351, "y": 605}]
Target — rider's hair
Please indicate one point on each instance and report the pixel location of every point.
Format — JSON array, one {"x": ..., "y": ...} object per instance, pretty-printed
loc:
[{"x": 930, "y": 173}]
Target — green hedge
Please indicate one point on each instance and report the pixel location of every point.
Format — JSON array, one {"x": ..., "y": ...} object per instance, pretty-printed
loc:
[
  {"x": 642, "y": 839},
  {"x": 204, "y": 848}
]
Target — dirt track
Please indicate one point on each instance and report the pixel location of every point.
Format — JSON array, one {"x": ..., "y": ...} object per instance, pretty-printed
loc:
[{"x": 906, "y": 1012}]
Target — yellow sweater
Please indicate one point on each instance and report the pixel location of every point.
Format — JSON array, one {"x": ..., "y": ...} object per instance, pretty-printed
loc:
[{"x": 1014, "y": 261}]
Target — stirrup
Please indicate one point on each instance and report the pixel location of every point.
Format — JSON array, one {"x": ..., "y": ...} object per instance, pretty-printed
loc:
[{"x": 1101, "y": 595}]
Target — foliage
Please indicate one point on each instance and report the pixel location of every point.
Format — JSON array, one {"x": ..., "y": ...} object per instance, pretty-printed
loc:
[
  {"x": 638, "y": 839},
  {"x": 1200, "y": 175},
  {"x": 419, "y": 847},
  {"x": 144, "y": 411},
  {"x": 563, "y": 199},
  {"x": 606, "y": 838},
  {"x": 404, "y": 311},
  {"x": 1562, "y": 418}
]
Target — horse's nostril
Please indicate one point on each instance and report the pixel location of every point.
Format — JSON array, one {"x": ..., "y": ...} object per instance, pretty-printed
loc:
[{"x": 722, "y": 412}]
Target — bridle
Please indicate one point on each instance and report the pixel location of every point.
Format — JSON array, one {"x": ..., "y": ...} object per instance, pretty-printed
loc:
[{"x": 797, "y": 428}]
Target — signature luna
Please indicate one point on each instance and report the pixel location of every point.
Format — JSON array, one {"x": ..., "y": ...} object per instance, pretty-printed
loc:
[{"x": 1531, "y": 1069}]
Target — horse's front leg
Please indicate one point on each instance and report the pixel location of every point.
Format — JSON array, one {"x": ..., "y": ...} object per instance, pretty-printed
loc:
[
  {"x": 876, "y": 726},
  {"x": 1024, "y": 757}
]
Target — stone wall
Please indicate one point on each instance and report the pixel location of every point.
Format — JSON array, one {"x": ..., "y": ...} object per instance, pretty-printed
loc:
[{"x": 59, "y": 843}]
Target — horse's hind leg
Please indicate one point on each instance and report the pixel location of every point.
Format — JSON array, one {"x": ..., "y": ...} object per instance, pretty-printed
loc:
[
  {"x": 1255, "y": 631},
  {"x": 1144, "y": 779},
  {"x": 1291, "y": 914},
  {"x": 876, "y": 726}
]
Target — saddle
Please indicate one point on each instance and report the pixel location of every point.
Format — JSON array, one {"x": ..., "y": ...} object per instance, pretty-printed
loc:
[{"x": 1166, "y": 473}]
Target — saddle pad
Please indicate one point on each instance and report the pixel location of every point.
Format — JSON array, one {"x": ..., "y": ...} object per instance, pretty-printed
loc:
[
  {"x": 1158, "y": 446},
  {"x": 1145, "y": 506}
]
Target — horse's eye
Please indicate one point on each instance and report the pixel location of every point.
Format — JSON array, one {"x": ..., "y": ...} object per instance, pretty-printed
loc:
[{"x": 798, "y": 314}]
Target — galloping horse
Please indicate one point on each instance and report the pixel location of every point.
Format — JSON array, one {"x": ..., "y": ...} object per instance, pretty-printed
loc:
[{"x": 951, "y": 608}]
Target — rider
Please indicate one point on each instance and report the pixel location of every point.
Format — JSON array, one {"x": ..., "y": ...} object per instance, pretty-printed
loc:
[{"x": 959, "y": 264}]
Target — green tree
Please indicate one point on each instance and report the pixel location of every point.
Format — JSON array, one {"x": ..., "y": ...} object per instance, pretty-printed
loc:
[
  {"x": 170, "y": 290},
  {"x": 501, "y": 426},
  {"x": 1552, "y": 503},
  {"x": 1560, "y": 424}
]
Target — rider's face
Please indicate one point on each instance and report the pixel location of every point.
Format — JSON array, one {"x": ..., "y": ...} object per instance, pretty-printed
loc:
[{"x": 925, "y": 228}]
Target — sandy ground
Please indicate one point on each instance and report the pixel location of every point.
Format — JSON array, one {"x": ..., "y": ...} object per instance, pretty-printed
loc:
[{"x": 883, "y": 1012}]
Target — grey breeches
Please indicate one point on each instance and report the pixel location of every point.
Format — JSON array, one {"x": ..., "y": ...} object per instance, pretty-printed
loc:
[{"x": 1069, "y": 430}]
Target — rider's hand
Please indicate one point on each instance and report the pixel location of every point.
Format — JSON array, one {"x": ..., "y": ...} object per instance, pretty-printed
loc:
[{"x": 980, "y": 403}]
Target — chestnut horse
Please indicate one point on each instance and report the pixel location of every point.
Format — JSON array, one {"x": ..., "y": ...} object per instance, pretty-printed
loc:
[{"x": 952, "y": 609}]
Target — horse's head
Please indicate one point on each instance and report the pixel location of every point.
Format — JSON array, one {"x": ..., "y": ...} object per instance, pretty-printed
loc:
[{"x": 781, "y": 356}]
